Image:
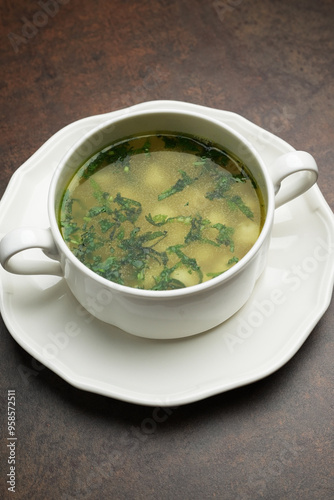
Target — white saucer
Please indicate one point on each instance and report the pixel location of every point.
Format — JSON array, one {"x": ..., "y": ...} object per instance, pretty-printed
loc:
[{"x": 288, "y": 300}]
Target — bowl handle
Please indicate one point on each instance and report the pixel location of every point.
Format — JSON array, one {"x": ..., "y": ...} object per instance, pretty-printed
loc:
[
  {"x": 21, "y": 239},
  {"x": 303, "y": 169}
]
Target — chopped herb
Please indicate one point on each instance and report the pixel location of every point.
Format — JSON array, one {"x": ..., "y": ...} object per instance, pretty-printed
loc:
[
  {"x": 96, "y": 163},
  {"x": 109, "y": 269},
  {"x": 94, "y": 211},
  {"x": 157, "y": 220},
  {"x": 165, "y": 282},
  {"x": 178, "y": 186},
  {"x": 198, "y": 224},
  {"x": 160, "y": 220},
  {"x": 199, "y": 163},
  {"x": 105, "y": 225},
  {"x": 129, "y": 209},
  {"x": 217, "y": 156},
  {"x": 236, "y": 202},
  {"x": 234, "y": 260},
  {"x": 169, "y": 141},
  {"x": 89, "y": 243},
  {"x": 68, "y": 229},
  {"x": 189, "y": 262},
  {"x": 224, "y": 235},
  {"x": 97, "y": 191},
  {"x": 136, "y": 253},
  {"x": 223, "y": 184}
]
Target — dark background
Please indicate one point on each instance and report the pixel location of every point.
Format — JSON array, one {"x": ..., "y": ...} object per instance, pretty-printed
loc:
[{"x": 270, "y": 61}]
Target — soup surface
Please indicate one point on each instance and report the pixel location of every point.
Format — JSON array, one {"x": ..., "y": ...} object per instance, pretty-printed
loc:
[{"x": 161, "y": 212}]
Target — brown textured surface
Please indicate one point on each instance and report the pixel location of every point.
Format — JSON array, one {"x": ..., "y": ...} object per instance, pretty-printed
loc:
[{"x": 270, "y": 61}]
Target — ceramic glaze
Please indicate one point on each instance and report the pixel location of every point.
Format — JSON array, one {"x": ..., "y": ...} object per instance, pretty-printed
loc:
[{"x": 173, "y": 313}]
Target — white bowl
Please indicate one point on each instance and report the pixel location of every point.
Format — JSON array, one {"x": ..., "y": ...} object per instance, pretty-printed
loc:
[{"x": 173, "y": 313}]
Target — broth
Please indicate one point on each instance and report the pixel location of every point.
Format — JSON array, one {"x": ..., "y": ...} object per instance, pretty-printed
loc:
[{"x": 161, "y": 212}]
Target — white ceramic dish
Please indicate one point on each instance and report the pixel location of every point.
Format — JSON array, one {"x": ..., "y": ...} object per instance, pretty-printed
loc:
[{"x": 288, "y": 300}]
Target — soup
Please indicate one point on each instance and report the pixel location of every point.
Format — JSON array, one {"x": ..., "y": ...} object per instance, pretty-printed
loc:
[{"x": 161, "y": 212}]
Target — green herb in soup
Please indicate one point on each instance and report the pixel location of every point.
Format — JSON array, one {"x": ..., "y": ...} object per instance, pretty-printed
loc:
[{"x": 161, "y": 212}]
